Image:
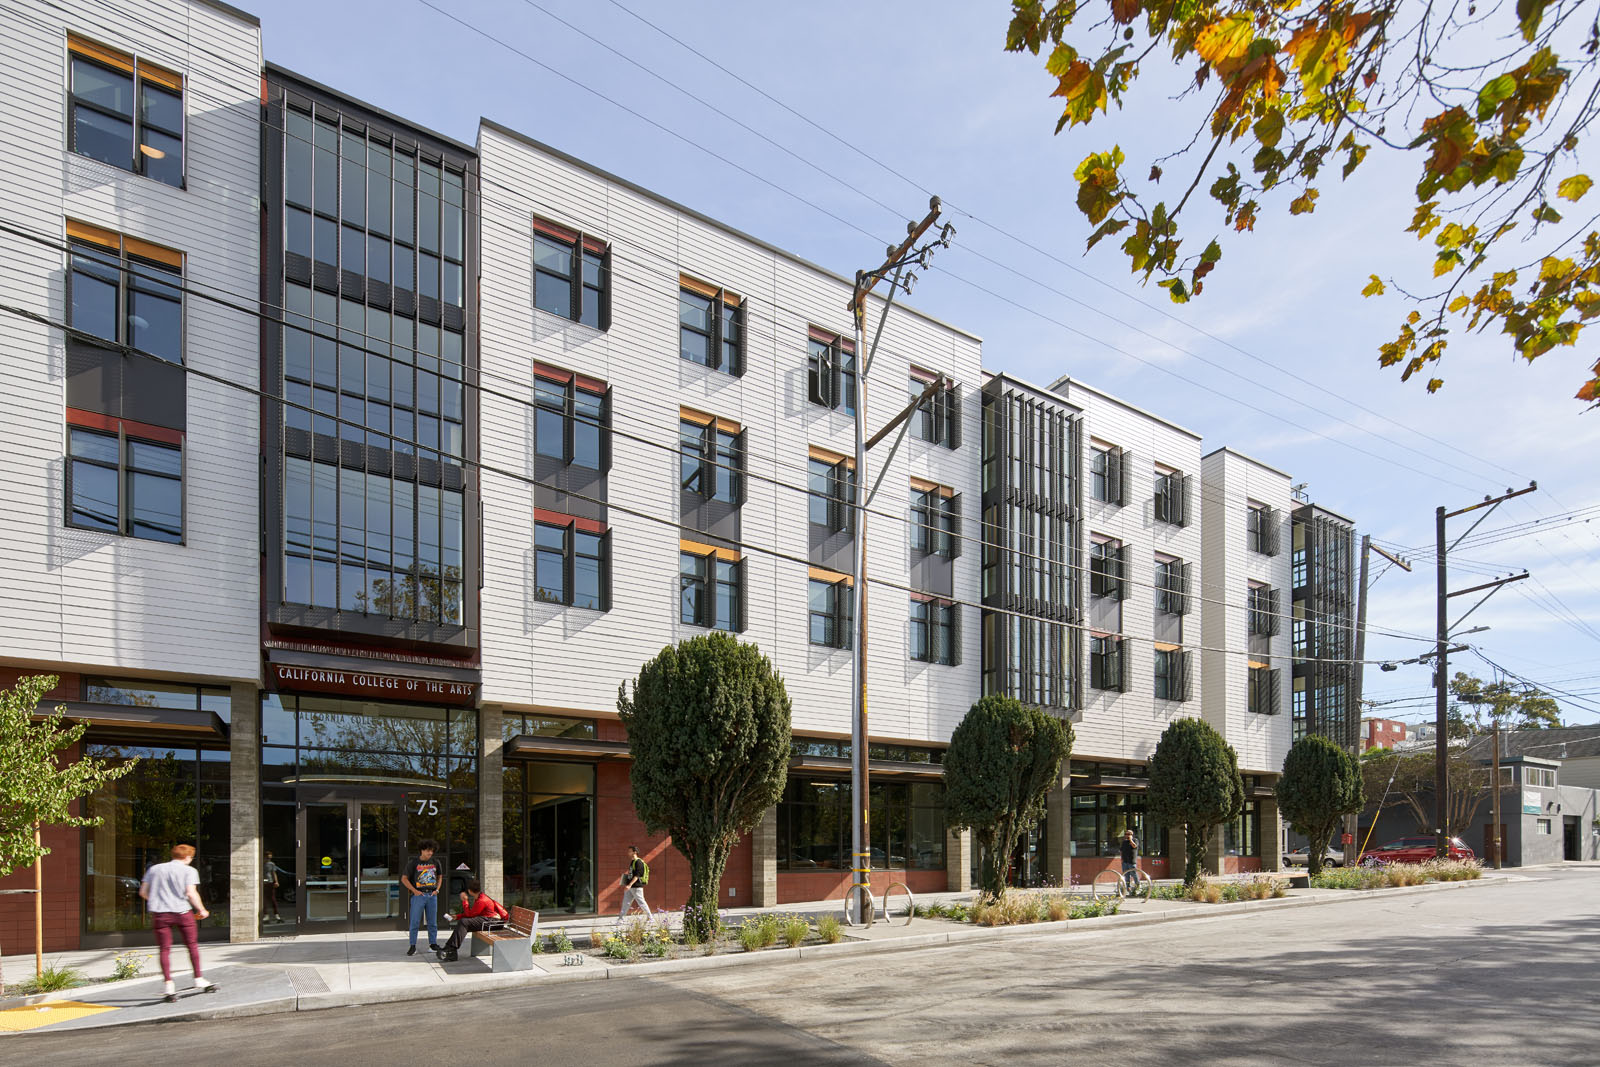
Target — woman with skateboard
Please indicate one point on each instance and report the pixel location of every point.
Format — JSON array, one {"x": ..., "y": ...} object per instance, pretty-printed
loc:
[{"x": 172, "y": 890}]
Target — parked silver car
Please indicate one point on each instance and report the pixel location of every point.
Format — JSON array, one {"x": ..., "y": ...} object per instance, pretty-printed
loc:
[{"x": 1301, "y": 857}]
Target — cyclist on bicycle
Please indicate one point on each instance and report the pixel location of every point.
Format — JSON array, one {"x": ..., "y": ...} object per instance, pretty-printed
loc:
[{"x": 1130, "y": 861}]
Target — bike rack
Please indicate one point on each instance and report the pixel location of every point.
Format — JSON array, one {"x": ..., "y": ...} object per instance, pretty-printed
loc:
[
  {"x": 911, "y": 903},
  {"x": 849, "y": 906}
]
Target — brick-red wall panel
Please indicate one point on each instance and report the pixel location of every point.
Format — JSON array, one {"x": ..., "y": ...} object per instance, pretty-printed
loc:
[
  {"x": 798, "y": 887},
  {"x": 62, "y": 870}
]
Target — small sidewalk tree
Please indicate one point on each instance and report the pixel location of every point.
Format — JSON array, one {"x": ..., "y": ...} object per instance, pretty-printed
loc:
[
  {"x": 1002, "y": 762},
  {"x": 709, "y": 727},
  {"x": 1195, "y": 784},
  {"x": 36, "y": 790},
  {"x": 1321, "y": 783}
]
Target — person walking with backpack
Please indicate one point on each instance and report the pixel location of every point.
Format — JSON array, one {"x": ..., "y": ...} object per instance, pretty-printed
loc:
[
  {"x": 477, "y": 911},
  {"x": 172, "y": 891},
  {"x": 633, "y": 883}
]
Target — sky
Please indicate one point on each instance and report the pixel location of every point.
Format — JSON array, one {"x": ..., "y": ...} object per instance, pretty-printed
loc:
[{"x": 833, "y": 122}]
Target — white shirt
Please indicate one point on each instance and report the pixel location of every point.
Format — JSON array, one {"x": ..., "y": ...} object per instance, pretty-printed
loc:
[{"x": 168, "y": 884}]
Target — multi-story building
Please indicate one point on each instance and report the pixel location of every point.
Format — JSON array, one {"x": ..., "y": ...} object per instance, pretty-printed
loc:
[
  {"x": 668, "y": 451},
  {"x": 129, "y": 253},
  {"x": 1382, "y": 733},
  {"x": 1245, "y": 613},
  {"x": 1322, "y": 573}
]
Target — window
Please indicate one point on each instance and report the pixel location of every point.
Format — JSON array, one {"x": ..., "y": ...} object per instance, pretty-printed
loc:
[
  {"x": 1172, "y": 498},
  {"x": 573, "y": 419},
  {"x": 360, "y": 541},
  {"x": 831, "y": 604},
  {"x": 1172, "y": 674},
  {"x": 1263, "y": 523},
  {"x": 1539, "y": 777},
  {"x": 711, "y": 459},
  {"x": 1108, "y": 663},
  {"x": 1263, "y": 610},
  {"x": 572, "y": 564},
  {"x": 147, "y": 694},
  {"x": 1542, "y": 827},
  {"x": 126, "y": 291},
  {"x": 1099, "y": 818},
  {"x": 1264, "y": 698},
  {"x": 571, "y": 275},
  {"x": 124, "y": 112},
  {"x": 711, "y": 588},
  {"x": 1242, "y": 836},
  {"x": 1108, "y": 474},
  {"x": 1172, "y": 587},
  {"x": 831, "y": 483},
  {"x": 832, "y": 374},
  {"x": 939, "y": 420},
  {"x": 907, "y": 823},
  {"x": 710, "y": 327},
  {"x": 936, "y": 521},
  {"x": 121, "y": 485},
  {"x": 935, "y": 631},
  {"x": 1107, "y": 573}
]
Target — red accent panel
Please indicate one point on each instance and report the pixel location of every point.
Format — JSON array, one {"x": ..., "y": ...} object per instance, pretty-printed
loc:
[
  {"x": 827, "y": 337},
  {"x": 556, "y": 518},
  {"x": 553, "y": 374},
  {"x": 591, "y": 385},
  {"x": 68, "y": 687},
  {"x": 93, "y": 420},
  {"x": 62, "y": 871},
  {"x": 550, "y": 229},
  {"x": 1084, "y": 870},
  {"x": 796, "y": 887}
]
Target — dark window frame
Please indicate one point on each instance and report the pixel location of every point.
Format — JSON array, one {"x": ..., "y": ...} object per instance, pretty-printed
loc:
[
  {"x": 1171, "y": 504},
  {"x": 140, "y": 153},
  {"x": 939, "y": 420},
  {"x": 1262, "y": 611},
  {"x": 1264, "y": 696},
  {"x": 568, "y": 387},
  {"x": 1108, "y": 569},
  {"x": 127, "y": 518},
  {"x": 1172, "y": 587},
  {"x": 936, "y": 522},
  {"x": 135, "y": 273},
  {"x": 711, "y": 580},
  {"x": 717, "y": 450},
  {"x": 838, "y": 494},
  {"x": 831, "y": 371},
  {"x": 935, "y": 636},
  {"x": 583, "y": 251},
  {"x": 1109, "y": 663},
  {"x": 837, "y": 614},
  {"x": 726, "y": 316},
  {"x": 1173, "y": 675},
  {"x": 569, "y": 532}
]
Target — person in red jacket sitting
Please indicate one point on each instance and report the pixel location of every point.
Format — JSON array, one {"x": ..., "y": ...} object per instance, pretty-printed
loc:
[{"x": 477, "y": 909}]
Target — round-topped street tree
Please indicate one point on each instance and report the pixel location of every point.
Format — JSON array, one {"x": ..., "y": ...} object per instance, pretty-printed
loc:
[
  {"x": 1002, "y": 762},
  {"x": 708, "y": 725},
  {"x": 1195, "y": 784},
  {"x": 1321, "y": 784}
]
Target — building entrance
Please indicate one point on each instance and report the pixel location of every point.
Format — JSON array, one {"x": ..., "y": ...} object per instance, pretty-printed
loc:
[
  {"x": 349, "y": 864},
  {"x": 1571, "y": 839}
]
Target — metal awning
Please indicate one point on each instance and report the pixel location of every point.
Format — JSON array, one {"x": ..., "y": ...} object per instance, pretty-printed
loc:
[
  {"x": 878, "y": 768},
  {"x": 134, "y": 718},
  {"x": 538, "y": 746}
]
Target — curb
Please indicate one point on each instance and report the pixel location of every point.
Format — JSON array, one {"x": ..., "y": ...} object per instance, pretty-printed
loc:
[{"x": 466, "y": 985}]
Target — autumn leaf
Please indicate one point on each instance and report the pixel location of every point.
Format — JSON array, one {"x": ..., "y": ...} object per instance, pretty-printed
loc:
[
  {"x": 1124, "y": 11},
  {"x": 1374, "y": 287},
  {"x": 1574, "y": 187},
  {"x": 1304, "y": 204},
  {"x": 1227, "y": 40}
]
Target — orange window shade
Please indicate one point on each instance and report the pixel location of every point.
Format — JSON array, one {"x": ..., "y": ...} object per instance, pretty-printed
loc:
[
  {"x": 925, "y": 486},
  {"x": 1258, "y": 666},
  {"x": 1162, "y": 646},
  {"x": 154, "y": 253},
  {"x": 728, "y": 426},
  {"x": 695, "y": 285},
  {"x": 109, "y": 56},
  {"x": 823, "y": 574},
  {"x": 699, "y": 418},
  {"x": 695, "y": 548},
  {"x": 161, "y": 76},
  {"x": 82, "y": 231},
  {"x": 830, "y": 457}
]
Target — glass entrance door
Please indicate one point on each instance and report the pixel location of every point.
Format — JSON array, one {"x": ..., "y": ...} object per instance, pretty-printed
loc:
[{"x": 350, "y": 863}]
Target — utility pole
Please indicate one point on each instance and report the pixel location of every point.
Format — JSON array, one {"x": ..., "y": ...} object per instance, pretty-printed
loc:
[
  {"x": 1494, "y": 831},
  {"x": 1367, "y": 547},
  {"x": 896, "y": 268},
  {"x": 1441, "y": 675}
]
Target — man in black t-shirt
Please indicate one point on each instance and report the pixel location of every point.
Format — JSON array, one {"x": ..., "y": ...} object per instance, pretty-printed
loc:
[
  {"x": 422, "y": 878},
  {"x": 1130, "y": 859}
]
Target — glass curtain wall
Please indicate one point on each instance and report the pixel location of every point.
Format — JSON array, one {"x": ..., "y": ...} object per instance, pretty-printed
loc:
[
  {"x": 172, "y": 796},
  {"x": 548, "y": 836},
  {"x": 907, "y": 825},
  {"x": 1098, "y": 820}
]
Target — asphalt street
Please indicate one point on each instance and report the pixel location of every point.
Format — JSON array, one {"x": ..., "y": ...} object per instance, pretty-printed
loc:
[{"x": 1493, "y": 974}]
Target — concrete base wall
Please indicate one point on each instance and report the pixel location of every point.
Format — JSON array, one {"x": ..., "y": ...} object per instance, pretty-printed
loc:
[
  {"x": 764, "y": 861},
  {"x": 244, "y": 814},
  {"x": 491, "y": 802},
  {"x": 958, "y": 861}
]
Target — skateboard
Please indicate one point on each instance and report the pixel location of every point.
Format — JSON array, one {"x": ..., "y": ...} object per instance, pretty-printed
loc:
[{"x": 172, "y": 998}]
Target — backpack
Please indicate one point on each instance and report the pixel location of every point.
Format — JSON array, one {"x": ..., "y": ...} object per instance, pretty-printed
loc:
[{"x": 644, "y": 879}]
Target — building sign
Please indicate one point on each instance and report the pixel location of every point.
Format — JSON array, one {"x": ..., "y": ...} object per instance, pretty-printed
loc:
[
  {"x": 384, "y": 654},
  {"x": 372, "y": 684},
  {"x": 1531, "y": 804}
]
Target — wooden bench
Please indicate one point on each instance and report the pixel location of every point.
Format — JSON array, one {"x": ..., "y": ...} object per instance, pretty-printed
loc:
[{"x": 512, "y": 946}]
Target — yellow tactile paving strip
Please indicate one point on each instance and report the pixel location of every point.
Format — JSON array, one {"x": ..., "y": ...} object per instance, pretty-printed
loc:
[{"x": 47, "y": 1014}]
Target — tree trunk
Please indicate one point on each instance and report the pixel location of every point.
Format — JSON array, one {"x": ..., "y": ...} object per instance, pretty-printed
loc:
[
  {"x": 706, "y": 863},
  {"x": 1316, "y": 846},
  {"x": 1194, "y": 847}
]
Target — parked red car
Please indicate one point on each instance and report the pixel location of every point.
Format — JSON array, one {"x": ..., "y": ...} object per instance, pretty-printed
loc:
[{"x": 1414, "y": 850}]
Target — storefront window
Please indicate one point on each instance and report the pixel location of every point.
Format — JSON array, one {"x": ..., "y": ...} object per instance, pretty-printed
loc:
[
  {"x": 147, "y": 694},
  {"x": 548, "y": 823},
  {"x": 1098, "y": 820},
  {"x": 172, "y": 796},
  {"x": 1242, "y": 836},
  {"x": 517, "y": 725},
  {"x": 907, "y": 826}
]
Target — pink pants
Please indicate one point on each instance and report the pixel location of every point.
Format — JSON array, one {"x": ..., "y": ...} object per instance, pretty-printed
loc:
[{"x": 164, "y": 922}]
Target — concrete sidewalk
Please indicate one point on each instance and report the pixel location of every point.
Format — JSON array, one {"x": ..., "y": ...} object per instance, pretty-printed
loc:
[{"x": 337, "y": 970}]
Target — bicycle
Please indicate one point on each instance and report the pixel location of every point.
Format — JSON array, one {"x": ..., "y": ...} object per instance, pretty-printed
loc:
[{"x": 1134, "y": 883}]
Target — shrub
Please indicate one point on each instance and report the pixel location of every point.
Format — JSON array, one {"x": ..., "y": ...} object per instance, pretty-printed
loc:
[
  {"x": 1203, "y": 891},
  {"x": 1453, "y": 870},
  {"x": 1168, "y": 892},
  {"x": 50, "y": 980},
  {"x": 557, "y": 941},
  {"x": 760, "y": 931},
  {"x": 1093, "y": 909},
  {"x": 1058, "y": 908},
  {"x": 795, "y": 929},
  {"x": 1262, "y": 887},
  {"x": 636, "y": 932},
  {"x": 830, "y": 929},
  {"x": 618, "y": 948},
  {"x": 127, "y": 965}
]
